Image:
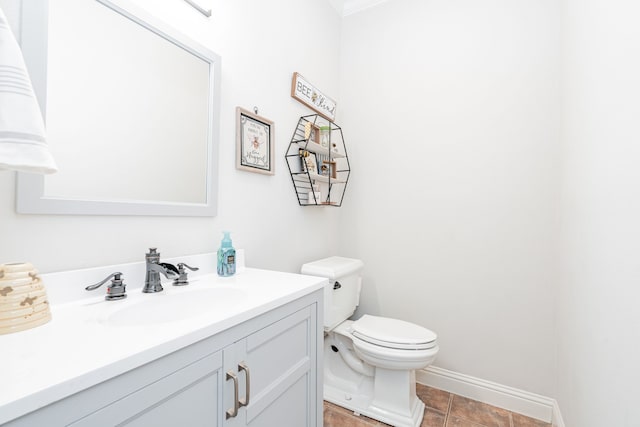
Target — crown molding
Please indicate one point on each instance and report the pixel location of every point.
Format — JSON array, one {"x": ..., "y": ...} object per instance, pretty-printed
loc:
[{"x": 353, "y": 6}]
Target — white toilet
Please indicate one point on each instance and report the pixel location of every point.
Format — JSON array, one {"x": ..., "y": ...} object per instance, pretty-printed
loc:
[{"x": 370, "y": 363}]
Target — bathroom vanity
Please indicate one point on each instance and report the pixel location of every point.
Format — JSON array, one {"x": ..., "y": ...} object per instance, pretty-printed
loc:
[{"x": 244, "y": 350}]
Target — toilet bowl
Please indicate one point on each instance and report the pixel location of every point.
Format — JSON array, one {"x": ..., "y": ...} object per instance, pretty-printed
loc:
[{"x": 369, "y": 363}]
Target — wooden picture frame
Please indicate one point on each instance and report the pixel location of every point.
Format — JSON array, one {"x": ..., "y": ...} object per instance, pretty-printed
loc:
[
  {"x": 315, "y": 135},
  {"x": 255, "y": 137},
  {"x": 330, "y": 167},
  {"x": 309, "y": 95},
  {"x": 312, "y": 133}
]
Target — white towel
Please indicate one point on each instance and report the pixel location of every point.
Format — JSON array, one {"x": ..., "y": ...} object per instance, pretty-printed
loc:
[{"x": 23, "y": 146}]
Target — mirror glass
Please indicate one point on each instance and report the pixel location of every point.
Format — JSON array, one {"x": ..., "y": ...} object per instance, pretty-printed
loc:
[{"x": 131, "y": 109}]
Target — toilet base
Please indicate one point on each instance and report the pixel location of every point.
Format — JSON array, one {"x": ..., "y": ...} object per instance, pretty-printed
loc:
[
  {"x": 388, "y": 396},
  {"x": 361, "y": 404}
]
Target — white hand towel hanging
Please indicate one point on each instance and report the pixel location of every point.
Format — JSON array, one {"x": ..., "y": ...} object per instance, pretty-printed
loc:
[{"x": 23, "y": 146}]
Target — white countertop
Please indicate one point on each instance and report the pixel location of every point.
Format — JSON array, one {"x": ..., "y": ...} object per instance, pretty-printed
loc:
[{"x": 83, "y": 346}]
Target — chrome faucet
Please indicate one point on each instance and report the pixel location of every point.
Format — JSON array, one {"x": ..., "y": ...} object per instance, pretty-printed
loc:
[
  {"x": 154, "y": 269},
  {"x": 116, "y": 290}
]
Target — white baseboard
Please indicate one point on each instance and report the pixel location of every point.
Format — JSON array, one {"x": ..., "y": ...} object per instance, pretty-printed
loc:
[
  {"x": 557, "y": 420},
  {"x": 522, "y": 402}
]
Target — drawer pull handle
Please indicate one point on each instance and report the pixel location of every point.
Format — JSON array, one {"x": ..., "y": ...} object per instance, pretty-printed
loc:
[
  {"x": 236, "y": 403},
  {"x": 243, "y": 367}
]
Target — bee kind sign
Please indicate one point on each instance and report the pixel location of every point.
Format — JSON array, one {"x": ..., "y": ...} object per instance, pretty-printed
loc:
[{"x": 310, "y": 96}]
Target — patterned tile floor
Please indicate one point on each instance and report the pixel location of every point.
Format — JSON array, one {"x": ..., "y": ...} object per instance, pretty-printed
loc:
[{"x": 443, "y": 410}]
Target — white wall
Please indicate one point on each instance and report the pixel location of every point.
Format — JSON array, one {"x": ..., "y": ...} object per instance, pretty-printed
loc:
[
  {"x": 598, "y": 315},
  {"x": 261, "y": 46},
  {"x": 451, "y": 116}
]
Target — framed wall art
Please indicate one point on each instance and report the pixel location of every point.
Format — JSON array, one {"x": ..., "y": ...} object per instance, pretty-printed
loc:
[
  {"x": 312, "y": 97},
  {"x": 254, "y": 142},
  {"x": 309, "y": 161}
]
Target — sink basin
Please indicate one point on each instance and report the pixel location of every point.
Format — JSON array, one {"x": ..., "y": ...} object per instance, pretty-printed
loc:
[{"x": 170, "y": 307}]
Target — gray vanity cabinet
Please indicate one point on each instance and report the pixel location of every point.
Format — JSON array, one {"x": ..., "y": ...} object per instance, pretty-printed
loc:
[
  {"x": 280, "y": 369},
  {"x": 276, "y": 361},
  {"x": 187, "y": 397}
]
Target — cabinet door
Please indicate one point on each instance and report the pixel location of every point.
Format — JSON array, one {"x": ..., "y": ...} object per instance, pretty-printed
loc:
[
  {"x": 280, "y": 374},
  {"x": 187, "y": 397}
]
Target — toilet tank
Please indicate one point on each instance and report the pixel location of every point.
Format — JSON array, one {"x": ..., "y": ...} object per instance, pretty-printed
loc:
[{"x": 342, "y": 294}]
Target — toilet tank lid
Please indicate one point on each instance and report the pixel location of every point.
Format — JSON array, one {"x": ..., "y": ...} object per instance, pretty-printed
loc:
[{"x": 333, "y": 267}]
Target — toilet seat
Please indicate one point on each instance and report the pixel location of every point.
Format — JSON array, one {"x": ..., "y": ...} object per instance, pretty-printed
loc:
[{"x": 393, "y": 333}]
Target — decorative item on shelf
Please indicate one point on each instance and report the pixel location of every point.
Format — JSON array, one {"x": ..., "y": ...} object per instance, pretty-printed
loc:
[
  {"x": 315, "y": 197},
  {"x": 254, "y": 140},
  {"x": 329, "y": 167},
  {"x": 313, "y": 133},
  {"x": 315, "y": 136},
  {"x": 309, "y": 95},
  {"x": 23, "y": 298},
  {"x": 310, "y": 162},
  {"x": 307, "y": 130},
  {"x": 325, "y": 136}
]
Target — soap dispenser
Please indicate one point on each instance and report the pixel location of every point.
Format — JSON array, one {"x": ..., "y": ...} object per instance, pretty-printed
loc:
[{"x": 226, "y": 257}]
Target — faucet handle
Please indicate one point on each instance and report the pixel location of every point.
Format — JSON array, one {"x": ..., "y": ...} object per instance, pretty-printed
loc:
[
  {"x": 116, "y": 290},
  {"x": 152, "y": 256},
  {"x": 182, "y": 265},
  {"x": 170, "y": 269},
  {"x": 182, "y": 274}
]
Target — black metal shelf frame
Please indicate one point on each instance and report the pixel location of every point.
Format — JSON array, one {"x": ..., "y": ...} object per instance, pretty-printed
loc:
[{"x": 317, "y": 142}]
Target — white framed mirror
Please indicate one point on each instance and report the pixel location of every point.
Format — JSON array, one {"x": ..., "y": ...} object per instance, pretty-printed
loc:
[{"x": 131, "y": 107}]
